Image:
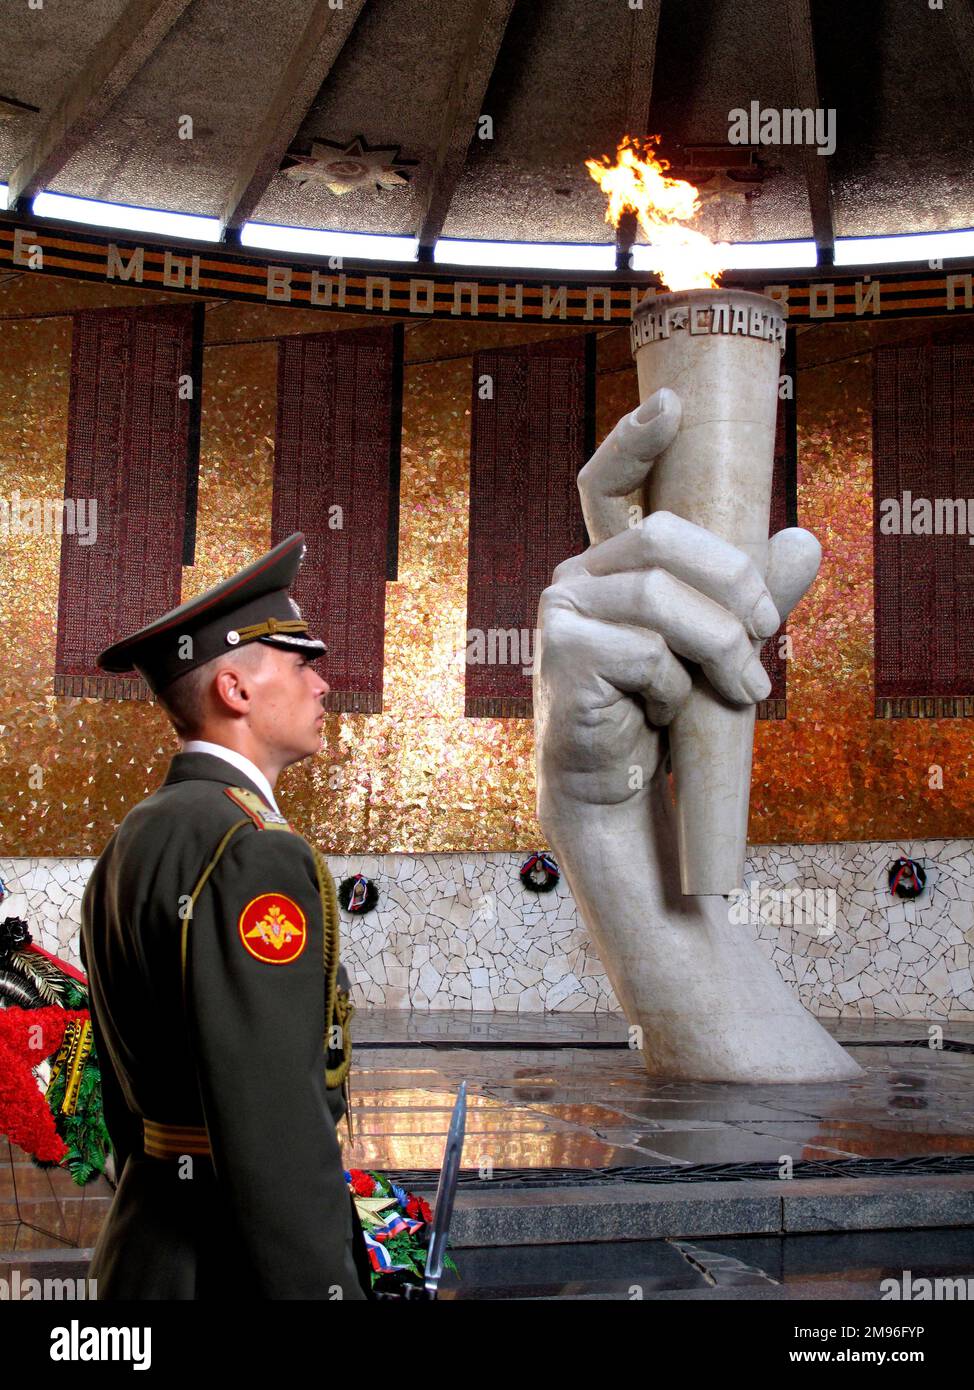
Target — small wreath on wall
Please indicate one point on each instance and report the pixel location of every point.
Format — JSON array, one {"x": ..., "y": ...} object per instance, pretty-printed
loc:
[
  {"x": 907, "y": 878},
  {"x": 14, "y": 935},
  {"x": 540, "y": 873},
  {"x": 358, "y": 894}
]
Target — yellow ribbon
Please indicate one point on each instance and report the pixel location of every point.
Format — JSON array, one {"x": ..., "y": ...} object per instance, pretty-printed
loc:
[{"x": 73, "y": 1053}]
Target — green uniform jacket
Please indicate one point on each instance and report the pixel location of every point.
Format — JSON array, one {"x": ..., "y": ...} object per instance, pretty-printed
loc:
[{"x": 235, "y": 1043}]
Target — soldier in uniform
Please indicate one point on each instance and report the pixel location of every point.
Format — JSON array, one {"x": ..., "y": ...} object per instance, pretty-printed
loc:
[{"x": 219, "y": 1006}]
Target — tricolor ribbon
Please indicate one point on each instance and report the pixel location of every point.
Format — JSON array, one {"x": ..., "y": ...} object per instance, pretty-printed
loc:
[
  {"x": 396, "y": 1225},
  {"x": 379, "y": 1256},
  {"x": 544, "y": 860},
  {"x": 911, "y": 871}
]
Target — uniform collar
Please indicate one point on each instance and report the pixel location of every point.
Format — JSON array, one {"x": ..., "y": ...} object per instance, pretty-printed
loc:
[{"x": 195, "y": 761}]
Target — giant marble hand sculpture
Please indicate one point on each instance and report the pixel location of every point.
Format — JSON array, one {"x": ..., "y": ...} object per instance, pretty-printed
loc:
[{"x": 608, "y": 677}]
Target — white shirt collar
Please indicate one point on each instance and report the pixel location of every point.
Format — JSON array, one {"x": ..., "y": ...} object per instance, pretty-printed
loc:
[{"x": 242, "y": 764}]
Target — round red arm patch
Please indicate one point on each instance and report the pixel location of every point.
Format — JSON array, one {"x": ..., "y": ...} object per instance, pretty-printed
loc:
[{"x": 273, "y": 928}]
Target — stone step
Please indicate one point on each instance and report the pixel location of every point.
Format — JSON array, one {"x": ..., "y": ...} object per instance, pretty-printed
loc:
[
  {"x": 815, "y": 1262},
  {"x": 822, "y": 1264},
  {"x": 646, "y": 1211},
  {"x": 630, "y": 1216},
  {"x": 60, "y": 1271}
]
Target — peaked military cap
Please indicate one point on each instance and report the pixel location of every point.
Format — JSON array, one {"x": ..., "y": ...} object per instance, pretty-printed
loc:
[{"x": 251, "y": 606}]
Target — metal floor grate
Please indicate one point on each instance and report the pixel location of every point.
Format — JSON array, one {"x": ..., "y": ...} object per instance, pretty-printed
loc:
[{"x": 927, "y": 1165}]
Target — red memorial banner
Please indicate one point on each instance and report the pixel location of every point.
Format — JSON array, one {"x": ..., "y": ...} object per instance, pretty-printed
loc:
[
  {"x": 923, "y": 525},
  {"x": 336, "y": 478},
  {"x": 533, "y": 410},
  {"x": 132, "y": 467}
]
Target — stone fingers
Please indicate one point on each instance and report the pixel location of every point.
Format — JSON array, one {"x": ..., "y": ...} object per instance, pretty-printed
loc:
[
  {"x": 630, "y": 659},
  {"x": 691, "y": 624},
  {"x": 696, "y": 556},
  {"x": 794, "y": 556},
  {"x": 623, "y": 460}
]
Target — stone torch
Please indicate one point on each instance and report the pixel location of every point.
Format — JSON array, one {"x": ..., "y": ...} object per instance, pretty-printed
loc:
[{"x": 720, "y": 351}]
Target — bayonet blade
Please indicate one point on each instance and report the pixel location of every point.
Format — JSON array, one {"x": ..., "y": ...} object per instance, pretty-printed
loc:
[{"x": 446, "y": 1191}]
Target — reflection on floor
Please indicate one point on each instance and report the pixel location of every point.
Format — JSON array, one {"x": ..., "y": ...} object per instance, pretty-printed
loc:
[
  {"x": 559, "y": 1091},
  {"x": 563, "y": 1092}
]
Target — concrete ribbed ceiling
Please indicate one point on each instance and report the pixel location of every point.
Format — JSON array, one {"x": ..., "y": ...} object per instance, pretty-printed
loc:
[{"x": 561, "y": 80}]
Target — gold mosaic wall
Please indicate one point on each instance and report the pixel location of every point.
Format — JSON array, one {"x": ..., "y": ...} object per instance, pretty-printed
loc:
[
  {"x": 420, "y": 777},
  {"x": 832, "y": 771}
]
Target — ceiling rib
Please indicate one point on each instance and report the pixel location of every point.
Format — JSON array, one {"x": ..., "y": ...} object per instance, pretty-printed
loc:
[
  {"x": 464, "y": 106},
  {"x": 312, "y": 59},
  {"x": 815, "y": 165},
  {"x": 644, "y": 29},
  {"x": 960, "y": 16},
  {"x": 124, "y": 49}
]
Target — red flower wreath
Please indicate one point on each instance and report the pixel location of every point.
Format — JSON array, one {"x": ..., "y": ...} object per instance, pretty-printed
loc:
[
  {"x": 25, "y": 1117},
  {"x": 363, "y": 1184},
  {"x": 418, "y": 1209}
]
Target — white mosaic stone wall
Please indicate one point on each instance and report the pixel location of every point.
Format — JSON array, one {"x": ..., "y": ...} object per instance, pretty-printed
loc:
[
  {"x": 457, "y": 931},
  {"x": 886, "y": 957}
]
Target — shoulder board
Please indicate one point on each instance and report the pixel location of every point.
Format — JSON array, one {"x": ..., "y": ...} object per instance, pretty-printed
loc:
[{"x": 261, "y": 814}]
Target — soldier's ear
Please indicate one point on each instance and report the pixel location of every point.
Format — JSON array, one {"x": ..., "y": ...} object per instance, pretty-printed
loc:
[{"x": 228, "y": 691}]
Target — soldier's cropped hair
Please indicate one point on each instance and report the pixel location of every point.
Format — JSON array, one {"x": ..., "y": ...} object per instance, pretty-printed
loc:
[{"x": 184, "y": 699}]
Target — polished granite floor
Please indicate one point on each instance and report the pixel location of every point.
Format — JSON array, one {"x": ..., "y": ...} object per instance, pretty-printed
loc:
[
  {"x": 560, "y": 1091},
  {"x": 563, "y": 1092},
  {"x": 43, "y": 1208}
]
